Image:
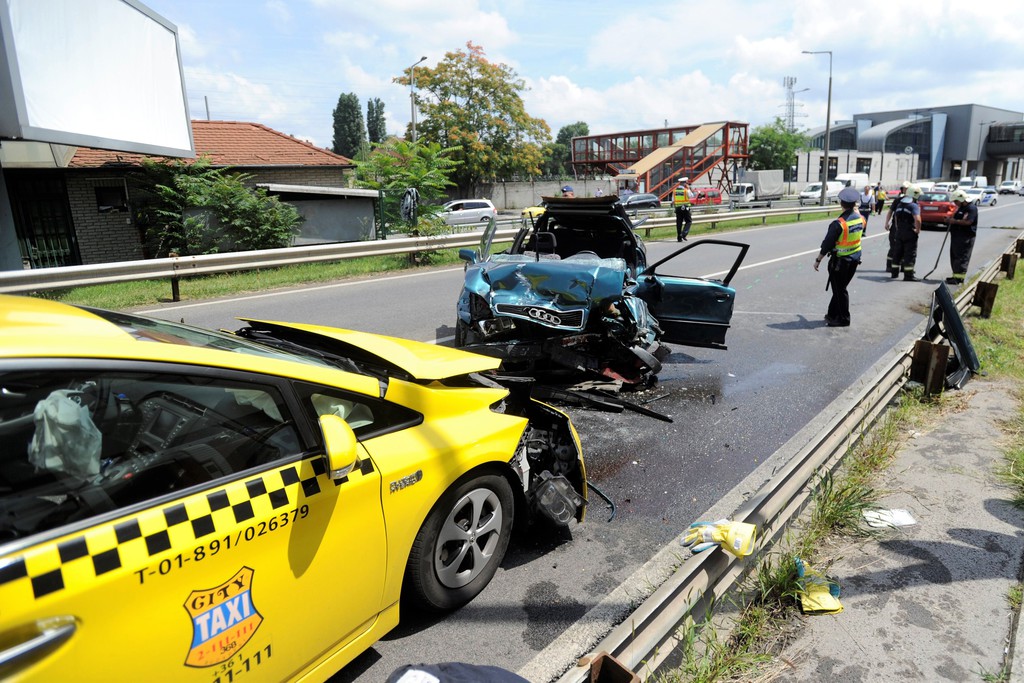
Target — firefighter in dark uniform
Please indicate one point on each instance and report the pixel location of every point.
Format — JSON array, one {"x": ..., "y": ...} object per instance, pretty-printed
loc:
[
  {"x": 963, "y": 226},
  {"x": 887, "y": 224},
  {"x": 906, "y": 223},
  {"x": 842, "y": 246}
]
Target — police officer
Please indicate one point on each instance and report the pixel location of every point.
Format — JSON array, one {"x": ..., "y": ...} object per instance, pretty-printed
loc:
[
  {"x": 842, "y": 246},
  {"x": 682, "y": 198},
  {"x": 906, "y": 224},
  {"x": 963, "y": 226}
]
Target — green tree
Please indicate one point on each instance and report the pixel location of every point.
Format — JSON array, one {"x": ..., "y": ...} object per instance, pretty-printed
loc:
[
  {"x": 473, "y": 107},
  {"x": 193, "y": 208},
  {"x": 398, "y": 165},
  {"x": 349, "y": 130},
  {"x": 558, "y": 154},
  {"x": 376, "y": 127},
  {"x": 775, "y": 146}
]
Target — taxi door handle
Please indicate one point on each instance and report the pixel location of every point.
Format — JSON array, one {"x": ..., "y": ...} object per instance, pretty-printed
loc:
[{"x": 51, "y": 633}]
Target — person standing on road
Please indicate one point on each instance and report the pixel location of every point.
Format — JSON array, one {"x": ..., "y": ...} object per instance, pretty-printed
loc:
[
  {"x": 889, "y": 227},
  {"x": 906, "y": 224},
  {"x": 867, "y": 206},
  {"x": 842, "y": 246},
  {"x": 963, "y": 226},
  {"x": 880, "y": 196},
  {"x": 567, "y": 191},
  {"x": 682, "y": 199}
]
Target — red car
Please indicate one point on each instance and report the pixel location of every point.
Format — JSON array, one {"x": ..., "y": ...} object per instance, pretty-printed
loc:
[
  {"x": 706, "y": 196},
  {"x": 936, "y": 208}
]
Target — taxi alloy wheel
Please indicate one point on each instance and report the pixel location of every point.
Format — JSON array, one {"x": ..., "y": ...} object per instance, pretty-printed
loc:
[{"x": 461, "y": 544}]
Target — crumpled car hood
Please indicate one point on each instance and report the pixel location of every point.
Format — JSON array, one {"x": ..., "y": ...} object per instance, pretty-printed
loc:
[
  {"x": 572, "y": 283},
  {"x": 417, "y": 359}
]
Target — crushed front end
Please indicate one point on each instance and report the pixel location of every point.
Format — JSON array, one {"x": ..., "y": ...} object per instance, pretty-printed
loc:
[{"x": 559, "y": 316}]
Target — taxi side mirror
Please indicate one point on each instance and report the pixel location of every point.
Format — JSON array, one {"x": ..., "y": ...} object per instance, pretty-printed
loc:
[{"x": 340, "y": 445}]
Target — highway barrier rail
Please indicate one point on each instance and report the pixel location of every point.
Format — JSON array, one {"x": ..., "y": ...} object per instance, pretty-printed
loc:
[
  {"x": 646, "y": 640},
  {"x": 174, "y": 268}
]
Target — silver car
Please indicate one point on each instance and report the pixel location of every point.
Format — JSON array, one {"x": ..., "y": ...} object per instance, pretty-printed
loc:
[{"x": 467, "y": 211}]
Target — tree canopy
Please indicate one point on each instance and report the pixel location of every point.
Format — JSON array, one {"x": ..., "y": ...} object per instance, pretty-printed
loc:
[
  {"x": 558, "y": 154},
  {"x": 349, "y": 131},
  {"x": 376, "y": 127},
  {"x": 473, "y": 107},
  {"x": 775, "y": 146},
  {"x": 399, "y": 165}
]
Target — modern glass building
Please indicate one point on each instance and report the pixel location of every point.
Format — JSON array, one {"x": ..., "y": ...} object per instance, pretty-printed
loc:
[{"x": 933, "y": 143}]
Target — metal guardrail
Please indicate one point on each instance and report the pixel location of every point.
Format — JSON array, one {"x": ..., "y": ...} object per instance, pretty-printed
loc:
[
  {"x": 647, "y": 639},
  {"x": 726, "y": 216},
  {"x": 41, "y": 279}
]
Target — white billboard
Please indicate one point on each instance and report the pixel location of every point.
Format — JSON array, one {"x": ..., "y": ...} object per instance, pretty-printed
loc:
[{"x": 92, "y": 73}]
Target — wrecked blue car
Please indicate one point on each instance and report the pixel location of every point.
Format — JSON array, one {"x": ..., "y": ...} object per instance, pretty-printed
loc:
[{"x": 574, "y": 295}]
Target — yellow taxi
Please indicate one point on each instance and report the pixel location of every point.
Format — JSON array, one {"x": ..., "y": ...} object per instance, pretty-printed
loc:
[{"x": 181, "y": 504}]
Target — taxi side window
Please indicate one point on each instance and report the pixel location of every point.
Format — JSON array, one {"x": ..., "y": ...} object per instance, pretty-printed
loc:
[
  {"x": 367, "y": 416},
  {"x": 78, "y": 444}
]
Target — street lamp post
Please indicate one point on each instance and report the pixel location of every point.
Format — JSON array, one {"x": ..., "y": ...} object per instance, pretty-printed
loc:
[
  {"x": 412, "y": 95},
  {"x": 828, "y": 122}
]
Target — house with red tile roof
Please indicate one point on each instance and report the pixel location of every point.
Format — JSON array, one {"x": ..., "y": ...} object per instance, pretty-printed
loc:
[{"x": 80, "y": 211}]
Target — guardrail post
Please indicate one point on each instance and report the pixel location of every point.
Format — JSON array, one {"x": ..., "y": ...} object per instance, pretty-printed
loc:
[
  {"x": 985, "y": 297},
  {"x": 175, "y": 290},
  {"x": 1020, "y": 247},
  {"x": 928, "y": 365},
  {"x": 1009, "y": 265}
]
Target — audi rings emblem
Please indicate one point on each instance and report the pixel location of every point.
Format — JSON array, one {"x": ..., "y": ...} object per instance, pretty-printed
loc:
[{"x": 544, "y": 316}]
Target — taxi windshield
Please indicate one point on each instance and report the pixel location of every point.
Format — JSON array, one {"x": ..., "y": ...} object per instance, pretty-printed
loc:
[{"x": 167, "y": 332}]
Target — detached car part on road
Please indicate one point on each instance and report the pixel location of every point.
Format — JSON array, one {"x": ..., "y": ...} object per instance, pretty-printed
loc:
[
  {"x": 575, "y": 294},
  {"x": 205, "y": 502}
]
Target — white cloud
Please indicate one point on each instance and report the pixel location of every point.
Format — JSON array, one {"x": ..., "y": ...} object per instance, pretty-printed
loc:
[
  {"x": 279, "y": 10},
  {"x": 191, "y": 47}
]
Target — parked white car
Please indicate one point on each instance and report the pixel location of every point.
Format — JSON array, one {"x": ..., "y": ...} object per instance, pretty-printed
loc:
[
  {"x": 468, "y": 211},
  {"x": 812, "y": 193},
  {"x": 1009, "y": 187},
  {"x": 982, "y": 196}
]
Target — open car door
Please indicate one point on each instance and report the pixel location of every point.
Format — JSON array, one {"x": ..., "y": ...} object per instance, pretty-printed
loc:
[{"x": 691, "y": 310}]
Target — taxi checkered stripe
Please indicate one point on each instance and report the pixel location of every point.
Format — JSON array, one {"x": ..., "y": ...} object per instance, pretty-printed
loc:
[{"x": 78, "y": 560}]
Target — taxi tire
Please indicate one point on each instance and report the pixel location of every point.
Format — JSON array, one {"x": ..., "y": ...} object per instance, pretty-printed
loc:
[{"x": 486, "y": 498}]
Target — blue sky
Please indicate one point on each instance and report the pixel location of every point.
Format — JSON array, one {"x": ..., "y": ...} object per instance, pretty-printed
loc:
[{"x": 616, "y": 66}]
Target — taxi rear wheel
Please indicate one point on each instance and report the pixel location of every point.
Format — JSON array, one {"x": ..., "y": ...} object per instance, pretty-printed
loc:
[{"x": 460, "y": 546}]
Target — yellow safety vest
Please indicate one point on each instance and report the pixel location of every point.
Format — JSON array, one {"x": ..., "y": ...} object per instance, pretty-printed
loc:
[
  {"x": 849, "y": 241},
  {"x": 681, "y": 196}
]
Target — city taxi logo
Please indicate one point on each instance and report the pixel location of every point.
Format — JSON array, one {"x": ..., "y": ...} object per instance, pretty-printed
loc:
[{"x": 224, "y": 618}]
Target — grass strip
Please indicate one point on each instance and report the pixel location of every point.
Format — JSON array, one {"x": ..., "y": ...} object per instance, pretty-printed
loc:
[{"x": 747, "y": 644}]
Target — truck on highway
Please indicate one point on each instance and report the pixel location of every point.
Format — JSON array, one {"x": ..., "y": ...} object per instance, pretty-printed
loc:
[{"x": 757, "y": 187}]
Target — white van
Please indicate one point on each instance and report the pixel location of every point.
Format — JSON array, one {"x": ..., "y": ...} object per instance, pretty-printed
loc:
[
  {"x": 812, "y": 193},
  {"x": 976, "y": 181},
  {"x": 857, "y": 181}
]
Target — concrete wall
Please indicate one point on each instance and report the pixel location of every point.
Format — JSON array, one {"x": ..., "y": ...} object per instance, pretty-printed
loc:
[
  {"x": 515, "y": 196},
  {"x": 891, "y": 169}
]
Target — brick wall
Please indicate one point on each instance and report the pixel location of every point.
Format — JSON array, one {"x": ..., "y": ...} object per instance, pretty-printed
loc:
[
  {"x": 103, "y": 236},
  {"x": 320, "y": 176},
  {"x": 110, "y": 236}
]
